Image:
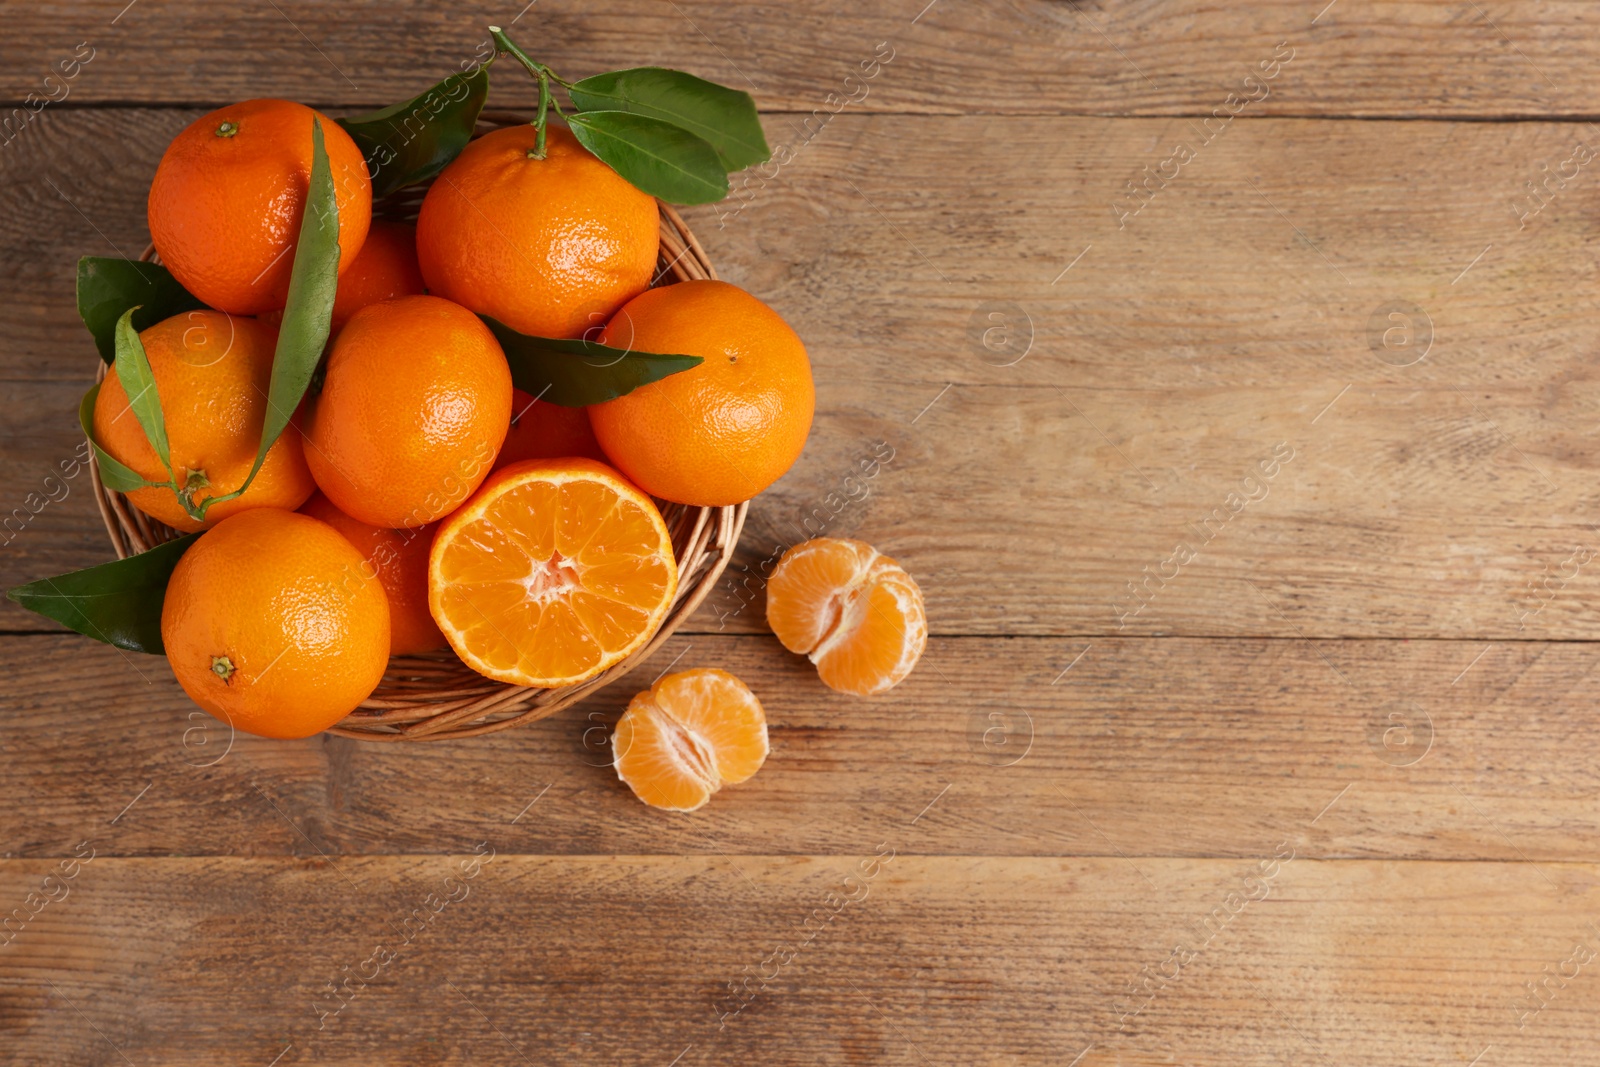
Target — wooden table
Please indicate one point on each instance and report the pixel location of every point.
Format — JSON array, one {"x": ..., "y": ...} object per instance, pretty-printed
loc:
[{"x": 1234, "y": 397}]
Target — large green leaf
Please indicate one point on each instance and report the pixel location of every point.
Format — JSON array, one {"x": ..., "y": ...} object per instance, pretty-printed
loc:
[
  {"x": 307, "y": 315},
  {"x": 109, "y": 287},
  {"x": 116, "y": 476},
  {"x": 139, "y": 382},
  {"x": 664, "y": 160},
  {"x": 118, "y": 603},
  {"x": 578, "y": 373},
  {"x": 412, "y": 141},
  {"x": 722, "y": 117}
]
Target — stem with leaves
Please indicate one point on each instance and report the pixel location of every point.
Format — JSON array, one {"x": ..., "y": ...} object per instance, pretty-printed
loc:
[{"x": 667, "y": 132}]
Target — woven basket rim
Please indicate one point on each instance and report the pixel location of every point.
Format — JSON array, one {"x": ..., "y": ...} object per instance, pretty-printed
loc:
[{"x": 434, "y": 696}]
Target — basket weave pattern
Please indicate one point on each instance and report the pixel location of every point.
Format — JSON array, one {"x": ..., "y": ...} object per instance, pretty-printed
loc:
[{"x": 434, "y": 696}]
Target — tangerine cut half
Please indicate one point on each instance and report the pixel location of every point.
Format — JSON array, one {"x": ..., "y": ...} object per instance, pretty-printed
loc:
[
  {"x": 687, "y": 736},
  {"x": 853, "y": 610},
  {"x": 551, "y": 572}
]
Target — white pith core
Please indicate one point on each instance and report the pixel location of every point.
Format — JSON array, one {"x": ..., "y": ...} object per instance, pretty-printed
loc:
[
  {"x": 692, "y": 753},
  {"x": 552, "y": 579},
  {"x": 845, "y": 611}
]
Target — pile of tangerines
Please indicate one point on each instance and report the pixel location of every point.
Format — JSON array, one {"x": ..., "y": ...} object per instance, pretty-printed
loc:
[{"x": 417, "y": 501}]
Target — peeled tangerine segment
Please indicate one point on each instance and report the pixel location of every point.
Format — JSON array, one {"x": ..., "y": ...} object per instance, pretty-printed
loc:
[
  {"x": 689, "y": 735},
  {"x": 853, "y": 610},
  {"x": 552, "y": 572}
]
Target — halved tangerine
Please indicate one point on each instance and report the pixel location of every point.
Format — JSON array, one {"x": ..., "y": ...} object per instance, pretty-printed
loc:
[
  {"x": 689, "y": 735},
  {"x": 853, "y": 610},
  {"x": 551, "y": 572}
]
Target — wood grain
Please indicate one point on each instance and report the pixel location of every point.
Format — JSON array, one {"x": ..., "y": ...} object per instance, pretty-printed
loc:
[
  {"x": 1429, "y": 58},
  {"x": 1246, "y": 464},
  {"x": 1017, "y": 747},
  {"x": 1025, "y": 960},
  {"x": 1448, "y": 498}
]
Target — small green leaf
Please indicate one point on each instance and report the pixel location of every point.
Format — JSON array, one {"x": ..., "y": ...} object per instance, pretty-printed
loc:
[
  {"x": 575, "y": 373},
  {"x": 109, "y": 287},
  {"x": 308, "y": 313},
  {"x": 722, "y": 117},
  {"x": 139, "y": 382},
  {"x": 664, "y": 160},
  {"x": 113, "y": 473},
  {"x": 118, "y": 602},
  {"x": 412, "y": 141}
]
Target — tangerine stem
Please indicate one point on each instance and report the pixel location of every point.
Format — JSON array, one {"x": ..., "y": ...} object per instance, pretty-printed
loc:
[
  {"x": 543, "y": 116},
  {"x": 544, "y": 75},
  {"x": 195, "y": 479}
]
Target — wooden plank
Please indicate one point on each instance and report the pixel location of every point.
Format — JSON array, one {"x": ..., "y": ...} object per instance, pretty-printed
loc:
[
  {"x": 1083, "y": 832},
  {"x": 1022, "y": 747},
  {"x": 936, "y": 960},
  {"x": 1241, "y": 309},
  {"x": 1019, "y": 56}
]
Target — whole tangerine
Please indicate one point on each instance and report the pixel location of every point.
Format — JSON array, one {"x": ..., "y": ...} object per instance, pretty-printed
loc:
[
  {"x": 229, "y": 194},
  {"x": 720, "y": 432},
  {"x": 541, "y": 430},
  {"x": 412, "y": 412},
  {"x": 212, "y": 372},
  {"x": 399, "y": 560},
  {"x": 272, "y": 624},
  {"x": 550, "y": 247},
  {"x": 386, "y": 268}
]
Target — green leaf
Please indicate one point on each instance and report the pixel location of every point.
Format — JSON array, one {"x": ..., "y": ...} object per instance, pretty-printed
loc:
[
  {"x": 113, "y": 473},
  {"x": 412, "y": 141},
  {"x": 722, "y": 117},
  {"x": 575, "y": 373},
  {"x": 139, "y": 382},
  {"x": 308, "y": 313},
  {"x": 109, "y": 287},
  {"x": 664, "y": 160},
  {"x": 118, "y": 602}
]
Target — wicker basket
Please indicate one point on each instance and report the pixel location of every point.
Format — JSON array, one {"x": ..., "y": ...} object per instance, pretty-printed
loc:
[{"x": 435, "y": 696}]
